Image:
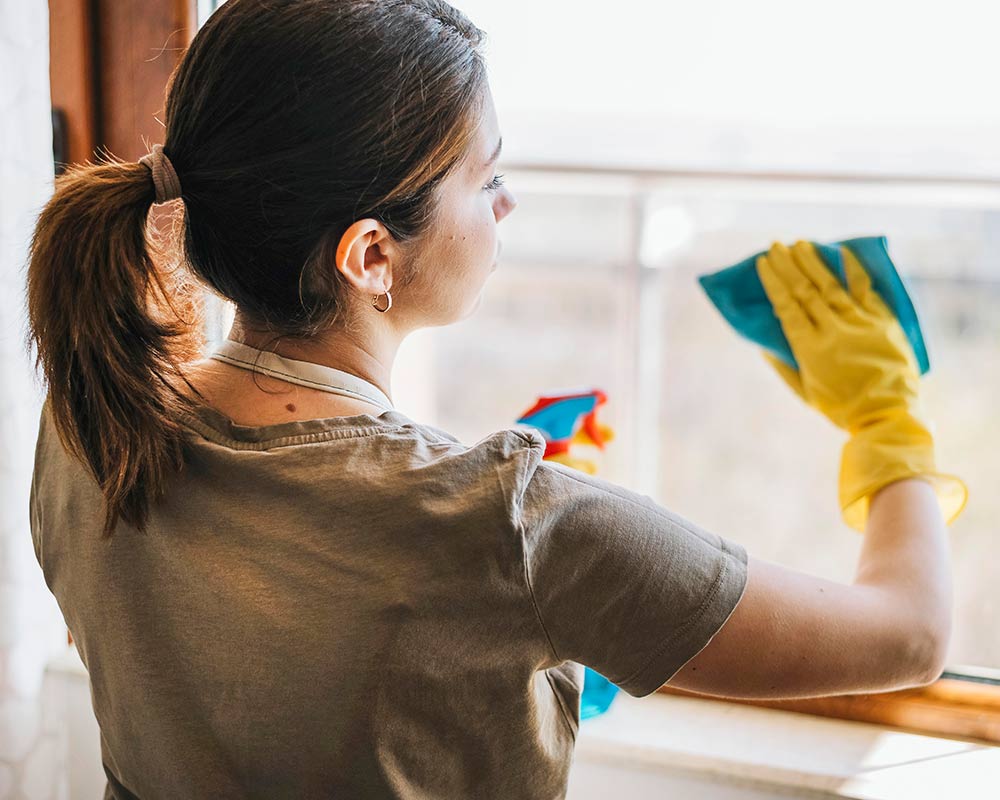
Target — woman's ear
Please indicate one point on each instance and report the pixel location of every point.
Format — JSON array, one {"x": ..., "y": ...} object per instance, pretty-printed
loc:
[{"x": 366, "y": 255}]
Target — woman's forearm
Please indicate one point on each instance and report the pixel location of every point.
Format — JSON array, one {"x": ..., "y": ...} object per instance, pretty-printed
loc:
[{"x": 906, "y": 555}]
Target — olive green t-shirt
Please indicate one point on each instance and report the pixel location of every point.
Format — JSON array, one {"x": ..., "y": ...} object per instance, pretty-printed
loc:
[{"x": 365, "y": 607}]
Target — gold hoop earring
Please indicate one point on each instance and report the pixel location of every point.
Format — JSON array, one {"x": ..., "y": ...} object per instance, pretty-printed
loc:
[{"x": 375, "y": 302}]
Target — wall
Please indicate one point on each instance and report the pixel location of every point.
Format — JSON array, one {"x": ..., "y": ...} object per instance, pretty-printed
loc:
[{"x": 31, "y": 627}]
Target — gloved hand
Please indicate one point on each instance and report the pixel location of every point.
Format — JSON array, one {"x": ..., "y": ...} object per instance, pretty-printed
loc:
[
  {"x": 857, "y": 367},
  {"x": 581, "y": 437}
]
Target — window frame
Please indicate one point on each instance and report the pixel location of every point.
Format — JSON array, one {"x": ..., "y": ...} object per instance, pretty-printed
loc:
[{"x": 956, "y": 706}]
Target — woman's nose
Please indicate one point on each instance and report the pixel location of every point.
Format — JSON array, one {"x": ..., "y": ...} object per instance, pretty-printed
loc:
[{"x": 506, "y": 202}]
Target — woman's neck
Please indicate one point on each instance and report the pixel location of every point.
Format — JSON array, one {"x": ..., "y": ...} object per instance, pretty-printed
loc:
[{"x": 369, "y": 357}]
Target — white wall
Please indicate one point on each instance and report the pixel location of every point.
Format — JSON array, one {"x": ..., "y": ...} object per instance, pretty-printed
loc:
[{"x": 31, "y": 626}]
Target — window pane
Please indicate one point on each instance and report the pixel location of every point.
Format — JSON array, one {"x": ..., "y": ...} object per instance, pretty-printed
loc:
[
  {"x": 703, "y": 424},
  {"x": 557, "y": 314},
  {"x": 744, "y": 456},
  {"x": 586, "y": 295}
]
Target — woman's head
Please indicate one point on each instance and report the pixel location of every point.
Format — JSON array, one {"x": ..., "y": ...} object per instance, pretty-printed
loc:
[
  {"x": 327, "y": 151},
  {"x": 290, "y": 121}
]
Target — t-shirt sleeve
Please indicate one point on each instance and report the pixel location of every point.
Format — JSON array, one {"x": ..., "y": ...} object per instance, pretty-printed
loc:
[{"x": 620, "y": 583}]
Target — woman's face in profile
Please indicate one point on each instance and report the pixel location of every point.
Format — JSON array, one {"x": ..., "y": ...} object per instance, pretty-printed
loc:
[{"x": 462, "y": 248}]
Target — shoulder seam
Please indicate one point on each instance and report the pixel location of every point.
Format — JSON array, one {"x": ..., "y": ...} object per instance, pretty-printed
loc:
[
  {"x": 523, "y": 436},
  {"x": 524, "y": 551},
  {"x": 316, "y": 437}
]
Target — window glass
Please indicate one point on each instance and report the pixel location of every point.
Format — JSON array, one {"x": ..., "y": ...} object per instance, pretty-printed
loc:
[{"x": 597, "y": 284}]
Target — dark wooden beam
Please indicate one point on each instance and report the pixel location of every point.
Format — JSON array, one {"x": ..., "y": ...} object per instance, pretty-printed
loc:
[
  {"x": 73, "y": 77},
  {"x": 140, "y": 43},
  {"x": 109, "y": 65}
]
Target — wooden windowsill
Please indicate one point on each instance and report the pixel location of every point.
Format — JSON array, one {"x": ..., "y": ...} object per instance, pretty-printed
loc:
[{"x": 960, "y": 709}]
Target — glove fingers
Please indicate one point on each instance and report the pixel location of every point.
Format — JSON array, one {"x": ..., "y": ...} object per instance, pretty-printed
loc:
[
  {"x": 786, "y": 308},
  {"x": 798, "y": 283},
  {"x": 860, "y": 285},
  {"x": 826, "y": 283},
  {"x": 874, "y": 304}
]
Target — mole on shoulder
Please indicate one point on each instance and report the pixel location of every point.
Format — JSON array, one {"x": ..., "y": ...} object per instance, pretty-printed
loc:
[{"x": 290, "y": 407}]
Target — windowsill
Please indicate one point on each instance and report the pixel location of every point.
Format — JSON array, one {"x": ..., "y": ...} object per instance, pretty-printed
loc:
[{"x": 729, "y": 742}]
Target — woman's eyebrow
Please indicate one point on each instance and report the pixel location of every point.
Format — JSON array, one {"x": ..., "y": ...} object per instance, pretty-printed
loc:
[{"x": 496, "y": 153}]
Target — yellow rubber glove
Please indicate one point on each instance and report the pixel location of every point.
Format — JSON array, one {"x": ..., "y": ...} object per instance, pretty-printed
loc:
[
  {"x": 857, "y": 367},
  {"x": 583, "y": 464}
]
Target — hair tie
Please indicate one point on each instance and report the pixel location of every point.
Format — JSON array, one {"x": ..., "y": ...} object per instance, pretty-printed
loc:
[{"x": 168, "y": 185}]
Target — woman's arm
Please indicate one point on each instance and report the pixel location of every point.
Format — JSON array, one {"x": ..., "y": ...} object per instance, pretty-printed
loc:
[{"x": 793, "y": 635}]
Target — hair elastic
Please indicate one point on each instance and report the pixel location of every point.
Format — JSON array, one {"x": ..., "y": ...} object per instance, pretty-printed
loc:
[{"x": 168, "y": 185}]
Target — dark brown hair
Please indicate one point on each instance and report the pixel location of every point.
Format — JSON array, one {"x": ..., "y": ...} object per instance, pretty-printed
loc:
[{"x": 286, "y": 121}]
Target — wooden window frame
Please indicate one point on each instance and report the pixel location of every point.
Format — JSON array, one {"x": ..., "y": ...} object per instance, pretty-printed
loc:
[
  {"x": 111, "y": 109},
  {"x": 958, "y": 705}
]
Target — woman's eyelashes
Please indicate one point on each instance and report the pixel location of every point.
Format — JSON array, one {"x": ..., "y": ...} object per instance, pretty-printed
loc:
[{"x": 494, "y": 184}]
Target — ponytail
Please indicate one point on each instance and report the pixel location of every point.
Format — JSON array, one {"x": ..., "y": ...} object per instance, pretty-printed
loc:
[
  {"x": 103, "y": 316},
  {"x": 265, "y": 195}
]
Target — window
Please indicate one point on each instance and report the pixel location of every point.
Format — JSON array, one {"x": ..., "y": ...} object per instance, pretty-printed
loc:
[
  {"x": 205, "y": 9},
  {"x": 630, "y": 189},
  {"x": 597, "y": 286}
]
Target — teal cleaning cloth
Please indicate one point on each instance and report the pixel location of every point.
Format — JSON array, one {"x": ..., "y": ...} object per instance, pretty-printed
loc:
[{"x": 739, "y": 295}]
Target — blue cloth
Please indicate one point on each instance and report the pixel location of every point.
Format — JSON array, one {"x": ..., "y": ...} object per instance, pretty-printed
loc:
[{"x": 738, "y": 293}]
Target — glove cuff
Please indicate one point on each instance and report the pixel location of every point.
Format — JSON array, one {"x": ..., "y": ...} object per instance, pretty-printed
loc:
[{"x": 898, "y": 446}]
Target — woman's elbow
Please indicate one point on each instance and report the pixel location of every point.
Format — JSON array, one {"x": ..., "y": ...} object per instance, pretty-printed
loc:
[{"x": 928, "y": 650}]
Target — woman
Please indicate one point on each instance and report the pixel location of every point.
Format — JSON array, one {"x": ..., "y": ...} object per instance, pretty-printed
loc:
[{"x": 281, "y": 585}]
